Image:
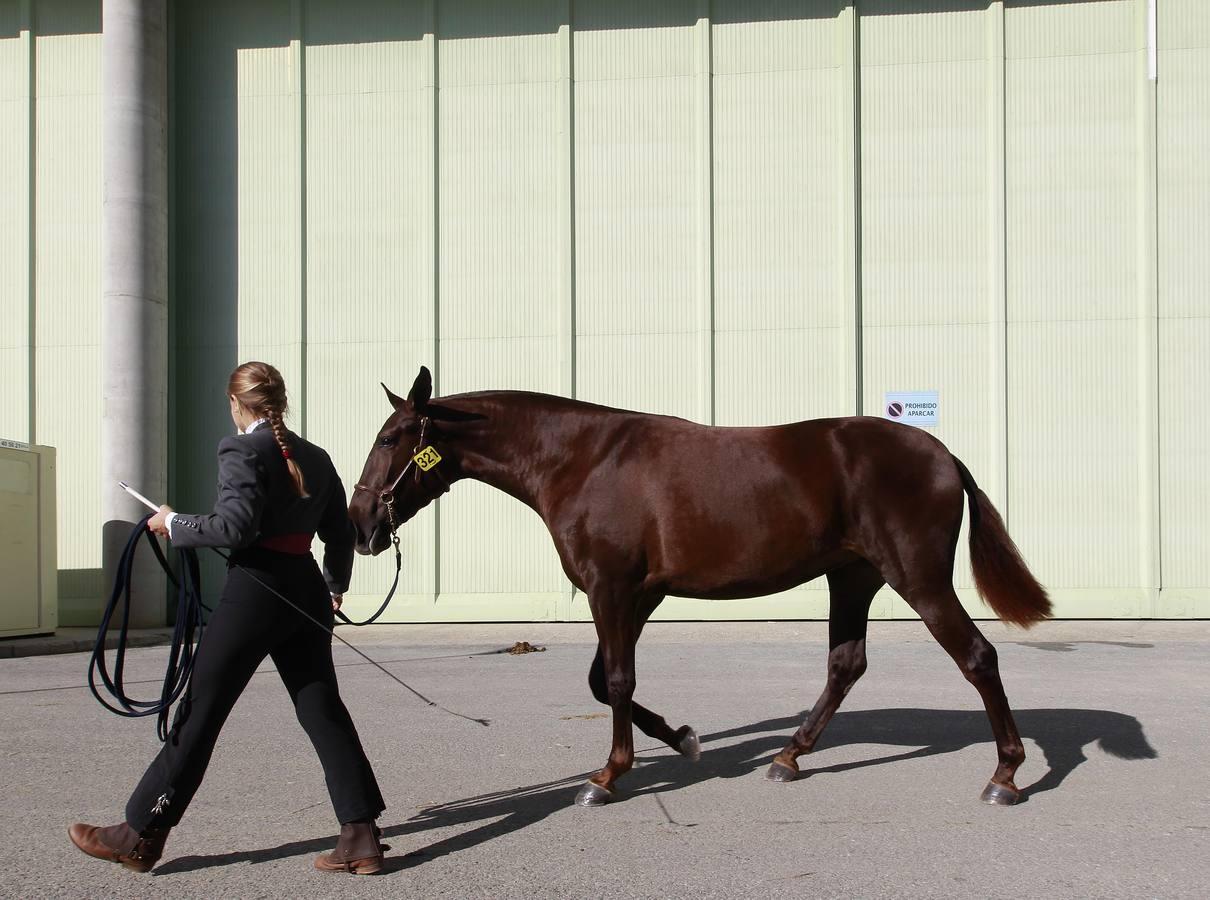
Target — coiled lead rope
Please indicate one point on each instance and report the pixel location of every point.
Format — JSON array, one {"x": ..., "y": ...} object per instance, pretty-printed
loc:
[{"x": 186, "y": 635}]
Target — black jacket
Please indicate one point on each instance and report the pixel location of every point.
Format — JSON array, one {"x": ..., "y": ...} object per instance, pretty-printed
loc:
[{"x": 256, "y": 499}]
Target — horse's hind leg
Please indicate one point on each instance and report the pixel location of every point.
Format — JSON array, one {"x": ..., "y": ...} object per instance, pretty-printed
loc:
[
  {"x": 976, "y": 657},
  {"x": 852, "y": 588}
]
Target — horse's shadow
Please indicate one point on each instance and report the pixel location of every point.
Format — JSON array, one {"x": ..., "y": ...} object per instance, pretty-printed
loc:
[{"x": 1061, "y": 734}]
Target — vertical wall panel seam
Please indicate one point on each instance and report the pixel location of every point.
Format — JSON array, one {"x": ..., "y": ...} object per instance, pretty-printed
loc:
[
  {"x": 845, "y": 200},
  {"x": 301, "y": 87},
  {"x": 1148, "y": 325},
  {"x": 299, "y": 27},
  {"x": 705, "y": 212},
  {"x": 435, "y": 258},
  {"x": 855, "y": 88},
  {"x": 566, "y": 50},
  {"x": 571, "y": 188},
  {"x": 567, "y": 332},
  {"x": 998, "y": 225},
  {"x": 1157, "y": 348},
  {"x": 27, "y": 18}
]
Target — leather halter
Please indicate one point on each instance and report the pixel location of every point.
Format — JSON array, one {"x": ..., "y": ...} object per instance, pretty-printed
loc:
[{"x": 386, "y": 495}]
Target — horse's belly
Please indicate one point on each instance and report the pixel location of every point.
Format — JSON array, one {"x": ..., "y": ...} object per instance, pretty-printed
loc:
[{"x": 736, "y": 582}]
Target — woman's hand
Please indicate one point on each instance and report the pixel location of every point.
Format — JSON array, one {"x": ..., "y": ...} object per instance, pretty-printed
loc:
[
  {"x": 337, "y": 599},
  {"x": 157, "y": 524}
]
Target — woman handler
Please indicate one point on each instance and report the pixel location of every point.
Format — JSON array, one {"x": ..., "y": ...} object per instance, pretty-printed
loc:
[{"x": 276, "y": 491}]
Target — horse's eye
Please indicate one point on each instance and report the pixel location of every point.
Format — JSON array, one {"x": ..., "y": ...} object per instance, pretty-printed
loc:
[{"x": 387, "y": 441}]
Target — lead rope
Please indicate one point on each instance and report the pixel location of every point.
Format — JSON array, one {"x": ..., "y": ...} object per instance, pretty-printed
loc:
[{"x": 390, "y": 505}]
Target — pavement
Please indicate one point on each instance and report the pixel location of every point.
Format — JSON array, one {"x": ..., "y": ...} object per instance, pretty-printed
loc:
[
  {"x": 1113, "y": 715},
  {"x": 79, "y": 640}
]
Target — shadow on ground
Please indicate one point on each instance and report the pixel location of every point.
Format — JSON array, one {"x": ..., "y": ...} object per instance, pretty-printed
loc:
[
  {"x": 1072, "y": 646},
  {"x": 1061, "y": 734}
]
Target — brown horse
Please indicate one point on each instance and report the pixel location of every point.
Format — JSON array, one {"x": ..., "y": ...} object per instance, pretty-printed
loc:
[{"x": 641, "y": 506}]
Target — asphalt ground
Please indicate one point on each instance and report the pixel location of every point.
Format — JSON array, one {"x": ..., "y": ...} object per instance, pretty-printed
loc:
[{"x": 1113, "y": 715}]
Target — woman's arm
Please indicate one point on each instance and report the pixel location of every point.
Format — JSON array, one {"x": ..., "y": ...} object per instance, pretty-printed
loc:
[
  {"x": 235, "y": 521},
  {"x": 336, "y": 531}
]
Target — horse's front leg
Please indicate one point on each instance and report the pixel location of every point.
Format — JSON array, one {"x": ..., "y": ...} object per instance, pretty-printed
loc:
[
  {"x": 617, "y": 634},
  {"x": 683, "y": 740}
]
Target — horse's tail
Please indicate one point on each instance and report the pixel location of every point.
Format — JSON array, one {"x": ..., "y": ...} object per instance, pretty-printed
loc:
[{"x": 1001, "y": 576}]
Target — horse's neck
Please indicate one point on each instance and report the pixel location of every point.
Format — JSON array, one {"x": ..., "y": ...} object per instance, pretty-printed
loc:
[{"x": 520, "y": 444}]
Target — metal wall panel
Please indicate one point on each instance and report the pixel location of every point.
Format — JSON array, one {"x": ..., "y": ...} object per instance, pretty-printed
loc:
[
  {"x": 929, "y": 320},
  {"x": 638, "y": 303},
  {"x": 500, "y": 293},
  {"x": 369, "y": 251},
  {"x": 1077, "y": 415},
  {"x": 782, "y": 321},
  {"x": 269, "y": 214},
  {"x": 67, "y": 234},
  {"x": 1183, "y": 143},
  {"x": 235, "y": 262},
  {"x": 16, "y": 152}
]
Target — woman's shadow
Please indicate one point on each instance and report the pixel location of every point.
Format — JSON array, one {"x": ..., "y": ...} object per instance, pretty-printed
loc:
[{"x": 1062, "y": 735}]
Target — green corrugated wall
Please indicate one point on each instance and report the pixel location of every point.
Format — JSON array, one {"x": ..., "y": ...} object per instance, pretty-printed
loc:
[
  {"x": 735, "y": 212},
  {"x": 50, "y": 266}
]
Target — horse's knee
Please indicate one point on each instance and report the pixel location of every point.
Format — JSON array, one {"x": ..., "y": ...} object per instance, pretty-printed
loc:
[{"x": 619, "y": 687}]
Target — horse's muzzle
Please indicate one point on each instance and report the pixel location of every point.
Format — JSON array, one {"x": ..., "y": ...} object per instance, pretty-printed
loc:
[{"x": 379, "y": 540}]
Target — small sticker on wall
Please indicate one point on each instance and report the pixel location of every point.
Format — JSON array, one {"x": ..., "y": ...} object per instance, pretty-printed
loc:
[{"x": 911, "y": 407}]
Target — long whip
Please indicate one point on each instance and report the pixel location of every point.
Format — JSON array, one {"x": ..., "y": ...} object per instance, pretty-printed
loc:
[
  {"x": 187, "y": 633},
  {"x": 377, "y": 665}
]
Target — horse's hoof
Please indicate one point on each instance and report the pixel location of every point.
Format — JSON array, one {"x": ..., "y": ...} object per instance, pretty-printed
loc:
[
  {"x": 1000, "y": 794},
  {"x": 689, "y": 745},
  {"x": 781, "y": 773},
  {"x": 592, "y": 794}
]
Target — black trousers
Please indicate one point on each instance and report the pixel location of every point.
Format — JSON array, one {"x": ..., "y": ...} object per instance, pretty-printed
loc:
[{"x": 249, "y": 624}]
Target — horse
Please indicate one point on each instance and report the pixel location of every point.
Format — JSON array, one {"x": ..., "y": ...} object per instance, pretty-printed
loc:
[{"x": 640, "y": 506}]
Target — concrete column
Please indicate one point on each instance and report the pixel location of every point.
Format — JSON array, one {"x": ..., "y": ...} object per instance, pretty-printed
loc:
[{"x": 134, "y": 280}]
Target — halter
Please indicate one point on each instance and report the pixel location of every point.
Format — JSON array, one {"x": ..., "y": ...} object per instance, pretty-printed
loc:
[{"x": 386, "y": 495}]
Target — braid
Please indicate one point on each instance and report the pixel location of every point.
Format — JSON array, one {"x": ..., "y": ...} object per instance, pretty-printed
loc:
[
  {"x": 283, "y": 441},
  {"x": 260, "y": 388}
]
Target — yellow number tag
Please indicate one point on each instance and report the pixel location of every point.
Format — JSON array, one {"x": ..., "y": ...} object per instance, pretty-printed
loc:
[{"x": 427, "y": 458}]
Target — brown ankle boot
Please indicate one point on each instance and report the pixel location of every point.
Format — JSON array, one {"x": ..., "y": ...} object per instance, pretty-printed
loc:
[
  {"x": 357, "y": 851},
  {"x": 121, "y": 844}
]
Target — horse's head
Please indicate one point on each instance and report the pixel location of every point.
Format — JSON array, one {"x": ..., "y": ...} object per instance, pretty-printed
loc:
[{"x": 405, "y": 470}]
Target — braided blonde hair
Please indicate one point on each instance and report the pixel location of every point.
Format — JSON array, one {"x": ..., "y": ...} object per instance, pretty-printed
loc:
[{"x": 260, "y": 387}]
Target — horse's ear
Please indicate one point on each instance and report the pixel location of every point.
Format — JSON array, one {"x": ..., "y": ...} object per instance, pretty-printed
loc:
[
  {"x": 396, "y": 401},
  {"x": 422, "y": 390}
]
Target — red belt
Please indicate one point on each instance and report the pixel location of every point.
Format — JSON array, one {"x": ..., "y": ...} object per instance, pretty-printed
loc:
[{"x": 298, "y": 544}]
